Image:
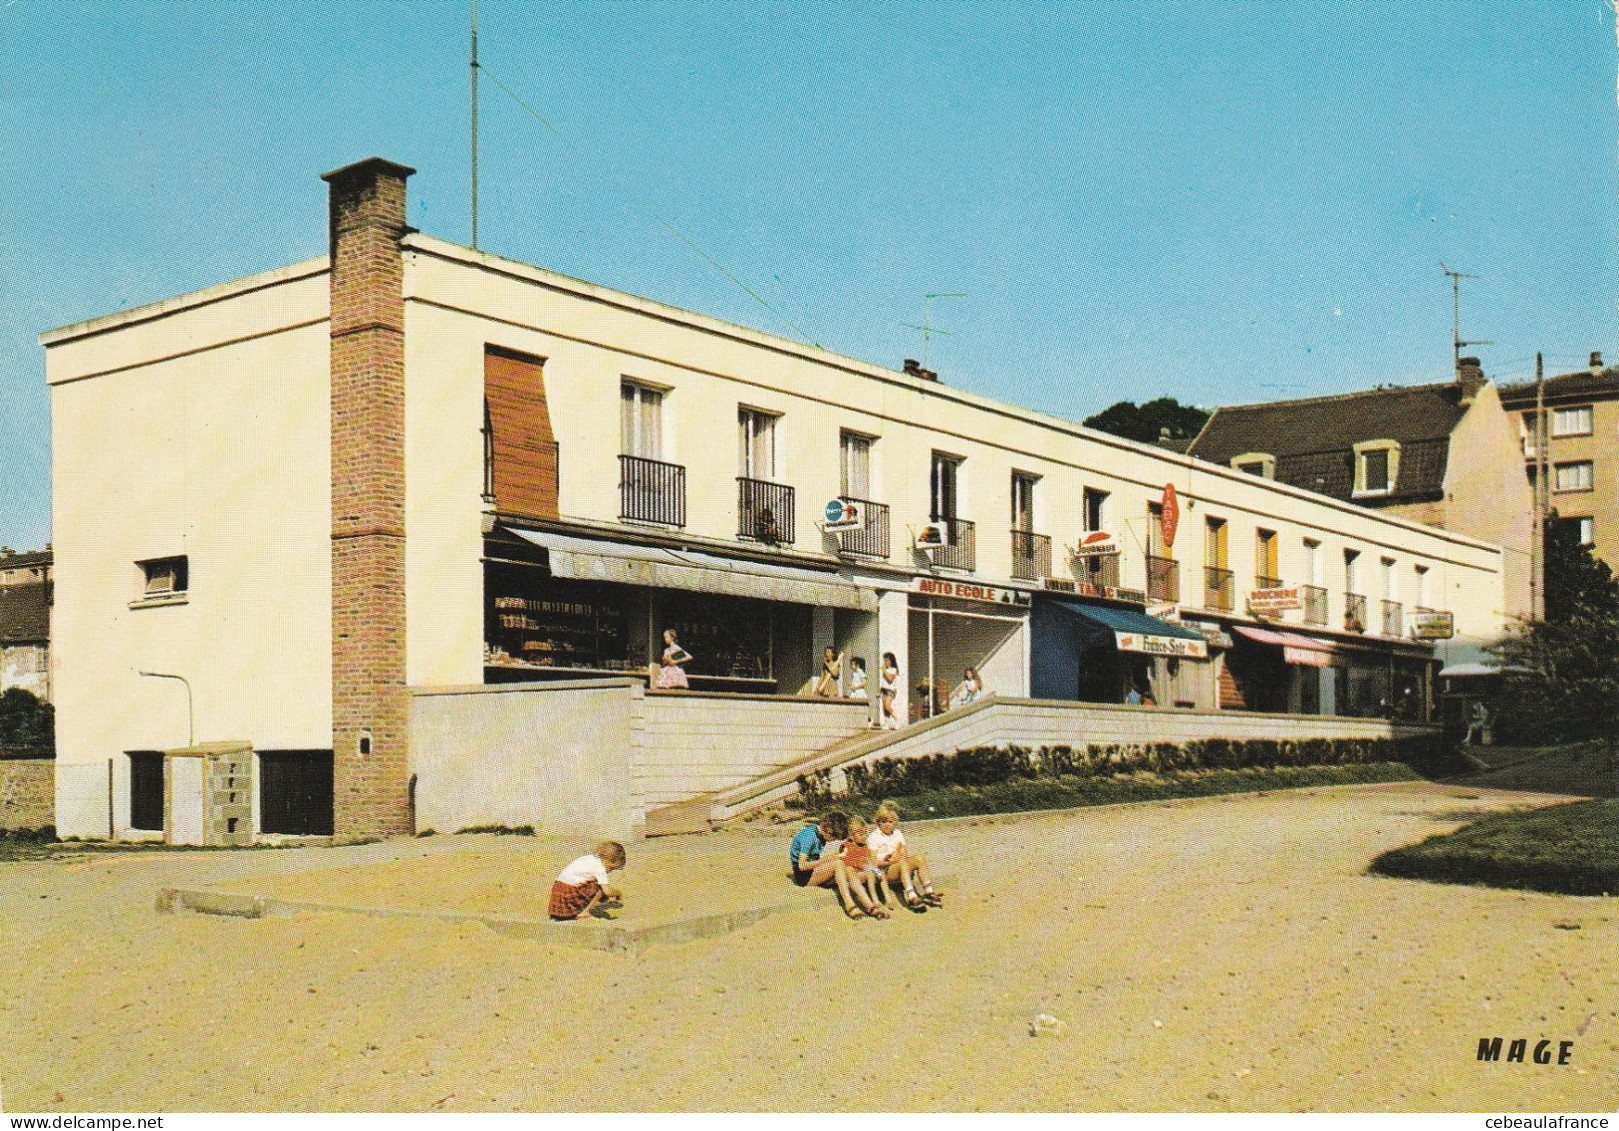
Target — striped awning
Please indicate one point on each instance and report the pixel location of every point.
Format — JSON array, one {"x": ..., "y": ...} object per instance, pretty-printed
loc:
[{"x": 1304, "y": 650}]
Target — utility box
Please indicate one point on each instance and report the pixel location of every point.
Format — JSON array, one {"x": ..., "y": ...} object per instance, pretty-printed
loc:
[{"x": 209, "y": 790}]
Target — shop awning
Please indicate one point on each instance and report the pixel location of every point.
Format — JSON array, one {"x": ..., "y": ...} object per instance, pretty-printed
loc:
[
  {"x": 659, "y": 567},
  {"x": 1296, "y": 649},
  {"x": 1137, "y": 632}
]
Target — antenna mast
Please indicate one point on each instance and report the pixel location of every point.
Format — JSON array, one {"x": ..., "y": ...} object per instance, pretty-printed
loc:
[
  {"x": 474, "y": 125},
  {"x": 927, "y": 327},
  {"x": 1457, "y": 342}
]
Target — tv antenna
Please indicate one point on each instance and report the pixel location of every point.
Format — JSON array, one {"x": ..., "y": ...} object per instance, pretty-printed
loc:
[
  {"x": 927, "y": 327},
  {"x": 1457, "y": 341}
]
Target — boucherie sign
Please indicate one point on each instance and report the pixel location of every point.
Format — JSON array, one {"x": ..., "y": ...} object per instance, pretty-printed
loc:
[{"x": 970, "y": 591}]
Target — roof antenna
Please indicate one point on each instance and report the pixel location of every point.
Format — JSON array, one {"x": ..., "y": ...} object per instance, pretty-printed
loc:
[
  {"x": 927, "y": 327},
  {"x": 1456, "y": 339},
  {"x": 474, "y": 125}
]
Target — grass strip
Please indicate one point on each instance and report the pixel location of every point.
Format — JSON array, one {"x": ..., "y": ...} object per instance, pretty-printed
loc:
[
  {"x": 1069, "y": 792},
  {"x": 1570, "y": 849}
]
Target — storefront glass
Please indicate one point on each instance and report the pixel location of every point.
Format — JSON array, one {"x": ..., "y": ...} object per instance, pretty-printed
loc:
[{"x": 949, "y": 636}]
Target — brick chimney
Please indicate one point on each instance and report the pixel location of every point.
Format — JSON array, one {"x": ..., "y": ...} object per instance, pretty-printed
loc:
[
  {"x": 1469, "y": 377},
  {"x": 1596, "y": 363},
  {"x": 370, "y": 705}
]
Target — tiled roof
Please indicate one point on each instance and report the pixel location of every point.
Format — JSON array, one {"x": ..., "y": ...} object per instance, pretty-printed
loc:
[
  {"x": 1581, "y": 384},
  {"x": 22, "y": 560},
  {"x": 1313, "y": 440},
  {"x": 25, "y": 613}
]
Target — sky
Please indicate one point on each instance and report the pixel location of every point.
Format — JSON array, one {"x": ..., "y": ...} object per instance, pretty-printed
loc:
[{"x": 1221, "y": 202}]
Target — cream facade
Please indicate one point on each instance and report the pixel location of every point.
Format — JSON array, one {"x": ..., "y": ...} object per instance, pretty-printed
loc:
[{"x": 198, "y": 431}]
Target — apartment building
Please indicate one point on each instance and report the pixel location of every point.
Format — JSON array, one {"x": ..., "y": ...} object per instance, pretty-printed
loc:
[
  {"x": 408, "y": 464},
  {"x": 1581, "y": 428},
  {"x": 25, "y": 621}
]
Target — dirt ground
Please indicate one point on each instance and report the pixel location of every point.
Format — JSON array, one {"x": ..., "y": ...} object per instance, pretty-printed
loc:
[{"x": 1223, "y": 954}]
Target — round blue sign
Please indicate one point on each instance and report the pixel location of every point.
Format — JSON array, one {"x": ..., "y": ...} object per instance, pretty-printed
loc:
[{"x": 834, "y": 510}]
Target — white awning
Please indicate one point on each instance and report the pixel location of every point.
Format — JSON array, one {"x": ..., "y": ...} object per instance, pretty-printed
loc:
[{"x": 659, "y": 567}]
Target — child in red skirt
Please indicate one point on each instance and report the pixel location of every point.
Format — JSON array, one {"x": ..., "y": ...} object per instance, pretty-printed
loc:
[{"x": 583, "y": 883}]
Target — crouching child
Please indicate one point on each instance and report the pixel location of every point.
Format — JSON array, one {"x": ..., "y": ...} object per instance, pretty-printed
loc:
[{"x": 583, "y": 885}]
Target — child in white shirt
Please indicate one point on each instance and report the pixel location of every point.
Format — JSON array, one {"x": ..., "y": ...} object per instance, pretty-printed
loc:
[
  {"x": 583, "y": 883},
  {"x": 897, "y": 864}
]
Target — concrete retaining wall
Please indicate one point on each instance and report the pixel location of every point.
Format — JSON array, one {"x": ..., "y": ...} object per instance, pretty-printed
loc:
[
  {"x": 691, "y": 743},
  {"x": 27, "y": 793}
]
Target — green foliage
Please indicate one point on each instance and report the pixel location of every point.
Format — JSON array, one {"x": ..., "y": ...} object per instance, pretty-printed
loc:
[
  {"x": 1560, "y": 676},
  {"x": 27, "y": 725},
  {"x": 1147, "y": 421},
  {"x": 1572, "y": 849}
]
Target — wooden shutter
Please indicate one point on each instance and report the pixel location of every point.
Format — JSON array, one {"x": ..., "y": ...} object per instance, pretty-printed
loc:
[{"x": 522, "y": 446}]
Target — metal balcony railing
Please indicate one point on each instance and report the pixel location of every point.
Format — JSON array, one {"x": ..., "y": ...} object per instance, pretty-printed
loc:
[
  {"x": 1315, "y": 604},
  {"x": 1393, "y": 618},
  {"x": 650, "y": 490},
  {"x": 1354, "y": 612},
  {"x": 1265, "y": 581},
  {"x": 1031, "y": 555},
  {"x": 1163, "y": 579},
  {"x": 1218, "y": 590},
  {"x": 872, "y": 540},
  {"x": 764, "y": 512},
  {"x": 1099, "y": 570},
  {"x": 962, "y": 552}
]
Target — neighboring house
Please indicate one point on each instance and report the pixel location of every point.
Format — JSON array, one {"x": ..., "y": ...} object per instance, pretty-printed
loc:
[
  {"x": 1582, "y": 449},
  {"x": 1447, "y": 455},
  {"x": 344, "y": 493},
  {"x": 25, "y": 621}
]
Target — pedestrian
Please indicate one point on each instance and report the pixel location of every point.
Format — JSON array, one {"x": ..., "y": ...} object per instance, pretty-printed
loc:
[
  {"x": 827, "y": 686},
  {"x": 972, "y": 686},
  {"x": 888, "y": 691},
  {"x": 672, "y": 671}
]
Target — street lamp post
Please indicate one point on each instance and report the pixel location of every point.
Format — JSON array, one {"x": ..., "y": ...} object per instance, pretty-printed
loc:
[{"x": 191, "y": 717}]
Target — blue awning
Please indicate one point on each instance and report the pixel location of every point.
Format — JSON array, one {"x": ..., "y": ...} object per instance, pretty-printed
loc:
[{"x": 1135, "y": 631}]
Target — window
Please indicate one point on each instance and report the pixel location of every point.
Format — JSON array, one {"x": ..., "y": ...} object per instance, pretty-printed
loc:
[
  {"x": 1095, "y": 510},
  {"x": 945, "y": 498},
  {"x": 164, "y": 577},
  {"x": 1351, "y": 562},
  {"x": 1214, "y": 543},
  {"x": 1312, "y": 562},
  {"x": 1266, "y": 557},
  {"x": 1527, "y": 431},
  {"x": 756, "y": 444},
  {"x": 1262, "y": 464},
  {"x": 1377, "y": 467},
  {"x": 1586, "y": 528},
  {"x": 854, "y": 462},
  {"x": 641, "y": 421},
  {"x": 1574, "y": 476},
  {"x": 1390, "y": 587},
  {"x": 1155, "y": 530},
  {"x": 1572, "y": 421},
  {"x": 1424, "y": 593},
  {"x": 1023, "y": 500}
]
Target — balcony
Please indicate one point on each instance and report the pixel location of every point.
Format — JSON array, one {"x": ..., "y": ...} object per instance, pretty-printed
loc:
[
  {"x": 1354, "y": 612},
  {"x": 871, "y": 541},
  {"x": 1100, "y": 571},
  {"x": 1031, "y": 555},
  {"x": 650, "y": 490},
  {"x": 764, "y": 512},
  {"x": 1393, "y": 618},
  {"x": 962, "y": 552},
  {"x": 1218, "y": 591},
  {"x": 1163, "y": 580},
  {"x": 1264, "y": 581},
  {"x": 1315, "y": 604}
]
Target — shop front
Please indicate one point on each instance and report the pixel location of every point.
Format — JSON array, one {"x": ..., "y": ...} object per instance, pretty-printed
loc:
[
  {"x": 953, "y": 627},
  {"x": 561, "y": 607},
  {"x": 1095, "y": 653},
  {"x": 1269, "y": 669}
]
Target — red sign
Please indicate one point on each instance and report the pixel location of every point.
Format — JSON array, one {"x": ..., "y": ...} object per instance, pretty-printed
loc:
[{"x": 1170, "y": 517}]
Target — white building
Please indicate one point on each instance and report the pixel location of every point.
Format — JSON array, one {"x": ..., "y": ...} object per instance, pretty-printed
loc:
[{"x": 310, "y": 492}]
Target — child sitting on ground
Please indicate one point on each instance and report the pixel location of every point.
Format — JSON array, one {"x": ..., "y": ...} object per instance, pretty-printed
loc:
[
  {"x": 896, "y": 864},
  {"x": 865, "y": 883},
  {"x": 583, "y": 883}
]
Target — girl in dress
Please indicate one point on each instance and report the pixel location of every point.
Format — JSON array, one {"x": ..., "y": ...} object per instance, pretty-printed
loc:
[
  {"x": 671, "y": 672},
  {"x": 831, "y": 672}
]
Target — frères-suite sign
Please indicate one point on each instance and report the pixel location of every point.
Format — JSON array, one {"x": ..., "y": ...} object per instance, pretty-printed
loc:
[{"x": 971, "y": 591}]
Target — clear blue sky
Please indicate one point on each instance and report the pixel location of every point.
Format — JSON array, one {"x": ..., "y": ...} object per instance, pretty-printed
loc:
[{"x": 1221, "y": 202}]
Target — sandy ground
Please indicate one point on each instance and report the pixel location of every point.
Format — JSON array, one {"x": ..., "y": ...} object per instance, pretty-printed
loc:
[{"x": 1226, "y": 954}]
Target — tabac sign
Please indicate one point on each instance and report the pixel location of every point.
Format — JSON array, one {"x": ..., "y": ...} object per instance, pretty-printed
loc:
[
  {"x": 1169, "y": 517},
  {"x": 971, "y": 591}
]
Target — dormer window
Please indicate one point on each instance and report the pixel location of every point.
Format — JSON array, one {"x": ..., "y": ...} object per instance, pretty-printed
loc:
[
  {"x": 1377, "y": 467},
  {"x": 1262, "y": 464}
]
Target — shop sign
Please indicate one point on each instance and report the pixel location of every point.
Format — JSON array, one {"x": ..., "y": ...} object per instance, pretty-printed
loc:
[
  {"x": 1175, "y": 646},
  {"x": 1270, "y": 602},
  {"x": 968, "y": 591},
  {"x": 933, "y": 536},
  {"x": 1169, "y": 518},
  {"x": 1213, "y": 633},
  {"x": 844, "y": 514},
  {"x": 1170, "y": 613},
  {"x": 1095, "y": 543},
  {"x": 1433, "y": 626}
]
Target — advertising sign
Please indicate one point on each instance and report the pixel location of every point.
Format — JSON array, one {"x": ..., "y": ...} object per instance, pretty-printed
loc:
[
  {"x": 1170, "y": 519},
  {"x": 1270, "y": 602},
  {"x": 1433, "y": 626},
  {"x": 1095, "y": 543},
  {"x": 1169, "y": 613},
  {"x": 1162, "y": 645},
  {"x": 932, "y": 536},
  {"x": 971, "y": 591},
  {"x": 844, "y": 514}
]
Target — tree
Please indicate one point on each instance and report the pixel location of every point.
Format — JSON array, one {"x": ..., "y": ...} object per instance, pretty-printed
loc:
[
  {"x": 1147, "y": 421},
  {"x": 26, "y": 723},
  {"x": 1560, "y": 676}
]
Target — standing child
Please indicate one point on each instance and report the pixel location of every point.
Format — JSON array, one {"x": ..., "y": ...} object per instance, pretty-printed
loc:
[
  {"x": 897, "y": 864},
  {"x": 889, "y": 692},
  {"x": 583, "y": 883},
  {"x": 672, "y": 669},
  {"x": 831, "y": 674}
]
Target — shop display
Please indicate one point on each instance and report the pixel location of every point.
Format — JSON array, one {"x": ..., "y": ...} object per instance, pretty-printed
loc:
[
  {"x": 566, "y": 628},
  {"x": 726, "y": 637}
]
